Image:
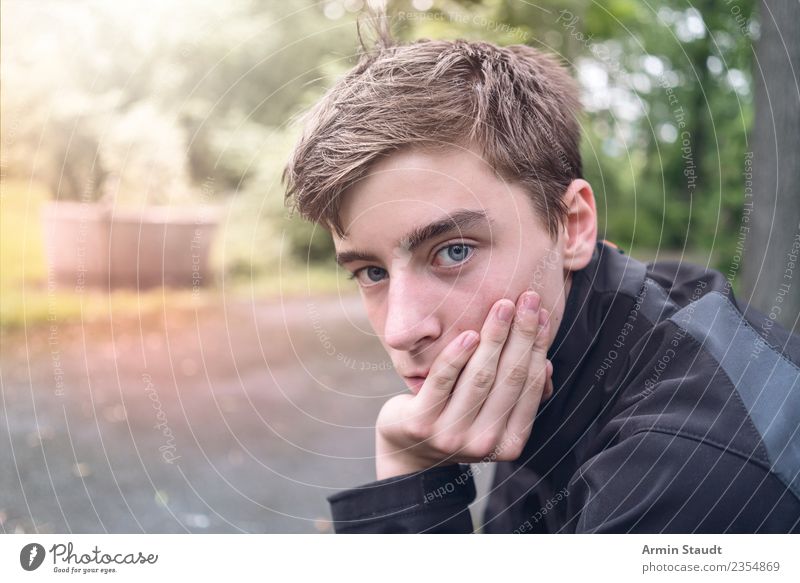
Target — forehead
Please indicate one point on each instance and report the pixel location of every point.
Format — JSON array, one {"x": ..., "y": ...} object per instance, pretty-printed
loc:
[{"x": 413, "y": 187}]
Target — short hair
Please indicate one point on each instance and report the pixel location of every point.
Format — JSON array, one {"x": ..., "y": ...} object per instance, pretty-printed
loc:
[{"x": 519, "y": 105}]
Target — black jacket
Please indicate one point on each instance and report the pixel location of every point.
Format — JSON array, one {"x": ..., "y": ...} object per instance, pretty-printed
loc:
[{"x": 674, "y": 410}]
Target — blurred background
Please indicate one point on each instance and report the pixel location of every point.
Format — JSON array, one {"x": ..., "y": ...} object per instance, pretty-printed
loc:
[{"x": 179, "y": 354}]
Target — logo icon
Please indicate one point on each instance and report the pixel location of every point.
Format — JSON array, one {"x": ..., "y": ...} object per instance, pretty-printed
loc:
[{"x": 31, "y": 556}]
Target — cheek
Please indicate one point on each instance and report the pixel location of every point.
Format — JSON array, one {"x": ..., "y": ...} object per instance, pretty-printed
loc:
[
  {"x": 377, "y": 318},
  {"x": 467, "y": 309},
  {"x": 509, "y": 278}
]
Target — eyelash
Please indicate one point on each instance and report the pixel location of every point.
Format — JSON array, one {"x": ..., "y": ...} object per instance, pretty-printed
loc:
[{"x": 471, "y": 246}]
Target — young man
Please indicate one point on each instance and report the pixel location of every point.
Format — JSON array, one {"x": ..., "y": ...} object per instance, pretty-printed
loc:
[{"x": 615, "y": 396}]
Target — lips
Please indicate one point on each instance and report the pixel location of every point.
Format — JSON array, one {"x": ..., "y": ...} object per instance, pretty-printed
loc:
[{"x": 415, "y": 381}]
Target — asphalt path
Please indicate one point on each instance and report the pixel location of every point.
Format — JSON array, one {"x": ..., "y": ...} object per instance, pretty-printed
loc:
[{"x": 233, "y": 417}]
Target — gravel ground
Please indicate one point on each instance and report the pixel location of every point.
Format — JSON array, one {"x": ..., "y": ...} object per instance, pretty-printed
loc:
[{"x": 236, "y": 417}]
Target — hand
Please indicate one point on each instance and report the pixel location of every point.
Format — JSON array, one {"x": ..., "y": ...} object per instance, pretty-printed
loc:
[{"x": 479, "y": 399}]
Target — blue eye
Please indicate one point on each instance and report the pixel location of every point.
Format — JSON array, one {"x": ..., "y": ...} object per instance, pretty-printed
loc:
[
  {"x": 367, "y": 276},
  {"x": 456, "y": 253},
  {"x": 448, "y": 256}
]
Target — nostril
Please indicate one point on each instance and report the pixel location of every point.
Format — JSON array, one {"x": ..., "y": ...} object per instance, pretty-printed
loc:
[{"x": 411, "y": 338}]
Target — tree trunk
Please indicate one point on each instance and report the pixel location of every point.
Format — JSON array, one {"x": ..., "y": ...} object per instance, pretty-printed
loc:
[{"x": 772, "y": 258}]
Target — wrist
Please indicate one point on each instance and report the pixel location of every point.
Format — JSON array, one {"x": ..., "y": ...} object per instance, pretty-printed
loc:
[{"x": 390, "y": 462}]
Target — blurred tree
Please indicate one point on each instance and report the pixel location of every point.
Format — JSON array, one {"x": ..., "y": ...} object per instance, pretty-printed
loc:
[
  {"x": 153, "y": 101},
  {"x": 218, "y": 73},
  {"x": 773, "y": 247}
]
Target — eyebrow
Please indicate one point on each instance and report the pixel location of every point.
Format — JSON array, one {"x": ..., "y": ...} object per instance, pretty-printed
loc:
[{"x": 457, "y": 221}]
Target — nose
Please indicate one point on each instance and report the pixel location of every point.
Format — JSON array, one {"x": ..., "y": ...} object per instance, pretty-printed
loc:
[{"x": 411, "y": 321}]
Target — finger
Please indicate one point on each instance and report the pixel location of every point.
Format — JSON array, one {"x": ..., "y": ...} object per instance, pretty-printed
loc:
[
  {"x": 520, "y": 421},
  {"x": 444, "y": 372},
  {"x": 548, "y": 389},
  {"x": 478, "y": 376},
  {"x": 514, "y": 368}
]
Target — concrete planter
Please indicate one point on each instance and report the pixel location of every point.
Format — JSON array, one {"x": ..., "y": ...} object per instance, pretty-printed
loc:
[{"x": 93, "y": 245}]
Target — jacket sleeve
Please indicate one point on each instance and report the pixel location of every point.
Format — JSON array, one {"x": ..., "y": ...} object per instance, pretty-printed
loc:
[
  {"x": 435, "y": 500},
  {"x": 656, "y": 482}
]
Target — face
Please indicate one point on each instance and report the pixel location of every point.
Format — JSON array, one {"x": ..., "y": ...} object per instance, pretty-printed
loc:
[{"x": 434, "y": 239}]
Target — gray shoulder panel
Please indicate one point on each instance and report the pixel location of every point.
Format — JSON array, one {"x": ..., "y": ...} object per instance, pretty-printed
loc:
[
  {"x": 767, "y": 382},
  {"x": 656, "y": 305}
]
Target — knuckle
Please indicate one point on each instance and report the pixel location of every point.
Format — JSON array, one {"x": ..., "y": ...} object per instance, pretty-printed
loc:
[
  {"x": 505, "y": 456},
  {"x": 473, "y": 451},
  {"x": 513, "y": 450},
  {"x": 483, "y": 445},
  {"x": 518, "y": 375},
  {"x": 509, "y": 455},
  {"x": 534, "y": 381},
  {"x": 394, "y": 408},
  {"x": 446, "y": 444},
  {"x": 497, "y": 338},
  {"x": 418, "y": 431},
  {"x": 483, "y": 379},
  {"x": 444, "y": 378},
  {"x": 525, "y": 330}
]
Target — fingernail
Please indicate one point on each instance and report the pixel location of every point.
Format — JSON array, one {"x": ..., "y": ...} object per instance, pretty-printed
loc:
[
  {"x": 530, "y": 301},
  {"x": 504, "y": 312},
  {"x": 469, "y": 339}
]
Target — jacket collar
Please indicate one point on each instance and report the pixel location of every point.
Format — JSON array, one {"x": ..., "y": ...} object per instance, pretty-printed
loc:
[{"x": 591, "y": 309}]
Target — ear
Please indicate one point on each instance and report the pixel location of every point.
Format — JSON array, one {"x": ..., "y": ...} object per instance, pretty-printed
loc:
[{"x": 580, "y": 229}]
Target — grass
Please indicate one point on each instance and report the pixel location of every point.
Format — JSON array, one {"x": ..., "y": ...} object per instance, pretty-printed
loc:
[{"x": 23, "y": 273}]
